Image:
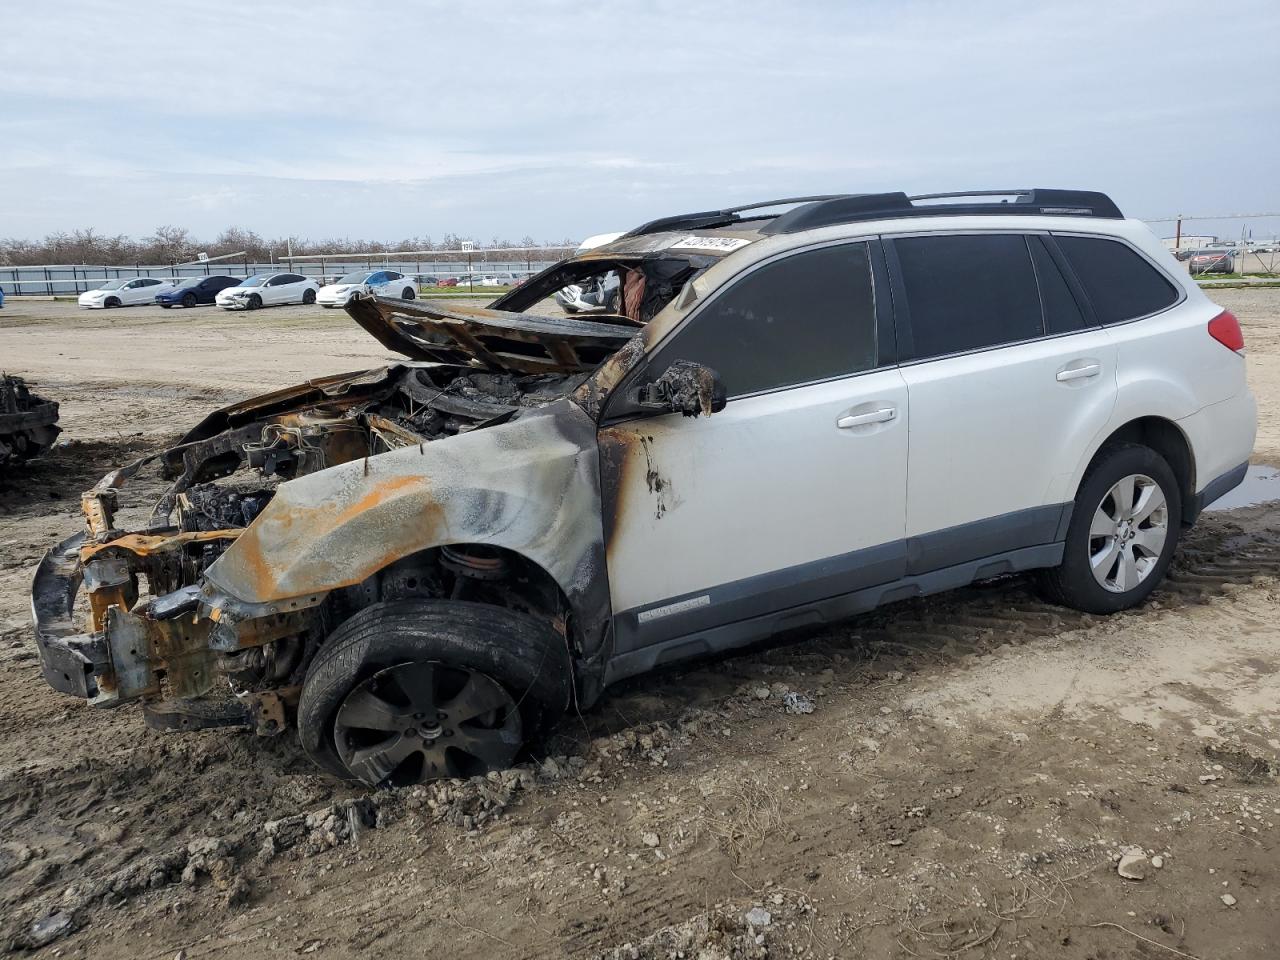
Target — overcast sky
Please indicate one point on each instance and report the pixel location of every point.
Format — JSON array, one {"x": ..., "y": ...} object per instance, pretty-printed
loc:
[{"x": 383, "y": 121}]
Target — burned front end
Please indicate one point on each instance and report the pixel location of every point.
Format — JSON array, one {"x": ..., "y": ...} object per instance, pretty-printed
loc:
[
  {"x": 128, "y": 614},
  {"x": 469, "y": 472}
]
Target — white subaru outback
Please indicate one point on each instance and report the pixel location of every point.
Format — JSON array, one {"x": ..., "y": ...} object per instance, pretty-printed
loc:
[{"x": 798, "y": 410}]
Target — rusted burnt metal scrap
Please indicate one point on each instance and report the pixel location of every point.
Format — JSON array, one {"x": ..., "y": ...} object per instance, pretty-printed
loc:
[
  {"x": 466, "y": 476},
  {"x": 28, "y": 423}
]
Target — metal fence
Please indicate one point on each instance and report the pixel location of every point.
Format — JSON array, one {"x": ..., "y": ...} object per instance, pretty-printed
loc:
[{"x": 72, "y": 279}]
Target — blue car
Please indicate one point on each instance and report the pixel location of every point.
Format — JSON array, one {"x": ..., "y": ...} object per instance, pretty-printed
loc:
[
  {"x": 1, "y": 298},
  {"x": 195, "y": 290}
]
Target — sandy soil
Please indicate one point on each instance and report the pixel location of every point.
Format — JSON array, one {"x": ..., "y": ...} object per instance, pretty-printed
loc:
[{"x": 974, "y": 765}]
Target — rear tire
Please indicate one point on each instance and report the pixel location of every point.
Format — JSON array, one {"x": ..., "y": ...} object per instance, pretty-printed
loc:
[
  {"x": 308, "y": 297},
  {"x": 1123, "y": 532},
  {"x": 401, "y": 660},
  {"x": 408, "y": 293}
]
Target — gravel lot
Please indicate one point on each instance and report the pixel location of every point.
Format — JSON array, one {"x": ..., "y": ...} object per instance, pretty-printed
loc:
[{"x": 974, "y": 767}]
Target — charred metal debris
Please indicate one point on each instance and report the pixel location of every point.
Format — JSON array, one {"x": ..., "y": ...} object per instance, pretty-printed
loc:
[{"x": 28, "y": 423}]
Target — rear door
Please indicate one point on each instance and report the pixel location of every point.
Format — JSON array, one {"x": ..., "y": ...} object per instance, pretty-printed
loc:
[
  {"x": 791, "y": 494},
  {"x": 285, "y": 288},
  {"x": 1009, "y": 381}
]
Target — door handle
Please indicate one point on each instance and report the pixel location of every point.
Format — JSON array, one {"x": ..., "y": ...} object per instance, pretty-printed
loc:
[
  {"x": 883, "y": 415},
  {"x": 1079, "y": 373}
]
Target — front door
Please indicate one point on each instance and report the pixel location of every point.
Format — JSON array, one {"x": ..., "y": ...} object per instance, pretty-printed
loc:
[{"x": 791, "y": 494}]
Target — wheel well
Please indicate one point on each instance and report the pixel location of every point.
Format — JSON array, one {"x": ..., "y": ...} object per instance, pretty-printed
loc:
[
  {"x": 480, "y": 573},
  {"x": 1165, "y": 438}
]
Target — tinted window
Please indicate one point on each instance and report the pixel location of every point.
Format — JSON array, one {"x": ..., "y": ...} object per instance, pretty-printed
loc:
[
  {"x": 1061, "y": 312},
  {"x": 968, "y": 292},
  {"x": 1120, "y": 283},
  {"x": 808, "y": 317}
]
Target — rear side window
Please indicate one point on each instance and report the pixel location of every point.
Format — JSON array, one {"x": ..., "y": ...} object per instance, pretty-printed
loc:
[
  {"x": 968, "y": 292},
  {"x": 1061, "y": 312},
  {"x": 808, "y": 317},
  {"x": 1120, "y": 283}
]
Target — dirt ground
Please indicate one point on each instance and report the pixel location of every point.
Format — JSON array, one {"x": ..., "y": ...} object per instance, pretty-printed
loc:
[{"x": 974, "y": 766}]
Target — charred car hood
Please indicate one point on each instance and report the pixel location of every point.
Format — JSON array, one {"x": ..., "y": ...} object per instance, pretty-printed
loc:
[{"x": 484, "y": 337}]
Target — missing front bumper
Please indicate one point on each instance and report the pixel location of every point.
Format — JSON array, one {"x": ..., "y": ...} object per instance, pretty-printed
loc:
[{"x": 166, "y": 650}]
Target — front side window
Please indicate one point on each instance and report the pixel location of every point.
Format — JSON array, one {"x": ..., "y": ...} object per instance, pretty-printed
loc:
[
  {"x": 807, "y": 317},
  {"x": 968, "y": 292},
  {"x": 1119, "y": 282}
]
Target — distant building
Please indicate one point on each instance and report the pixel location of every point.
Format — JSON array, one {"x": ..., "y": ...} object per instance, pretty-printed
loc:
[{"x": 1190, "y": 242}]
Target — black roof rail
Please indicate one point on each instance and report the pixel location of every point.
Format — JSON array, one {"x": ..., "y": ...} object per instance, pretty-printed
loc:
[
  {"x": 852, "y": 208},
  {"x": 685, "y": 221},
  {"x": 718, "y": 218}
]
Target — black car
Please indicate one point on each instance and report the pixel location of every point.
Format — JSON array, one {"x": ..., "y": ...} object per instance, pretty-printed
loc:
[{"x": 194, "y": 290}]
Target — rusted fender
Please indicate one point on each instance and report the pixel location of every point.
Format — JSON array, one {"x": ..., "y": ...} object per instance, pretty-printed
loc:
[{"x": 530, "y": 485}]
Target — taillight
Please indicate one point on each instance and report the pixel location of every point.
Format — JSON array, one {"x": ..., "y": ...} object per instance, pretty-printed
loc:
[{"x": 1225, "y": 328}]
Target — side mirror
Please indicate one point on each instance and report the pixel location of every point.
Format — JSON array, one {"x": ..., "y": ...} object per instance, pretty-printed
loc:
[{"x": 686, "y": 388}]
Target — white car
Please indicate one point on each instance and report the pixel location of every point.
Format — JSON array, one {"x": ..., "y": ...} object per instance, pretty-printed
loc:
[
  {"x": 125, "y": 293},
  {"x": 268, "y": 290},
  {"x": 385, "y": 283},
  {"x": 498, "y": 280}
]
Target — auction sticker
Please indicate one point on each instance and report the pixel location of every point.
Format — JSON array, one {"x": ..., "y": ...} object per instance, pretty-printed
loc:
[{"x": 719, "y": 244}]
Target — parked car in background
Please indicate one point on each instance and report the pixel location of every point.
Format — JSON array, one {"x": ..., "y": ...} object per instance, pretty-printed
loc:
[
  {"x": 497, "y": 280},
  {"x": 1, "y": 298},
  {"x": 125, "y": 292},
  {"x": 447, "y": 282},
  {"x": 1213, "y": 261},
  {"x": 384, "y": 283},
  {"x": 268, "y": 290},
  {"x": 195, "y": 290}
]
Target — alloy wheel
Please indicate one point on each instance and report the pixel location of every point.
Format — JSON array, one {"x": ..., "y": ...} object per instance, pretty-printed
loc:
[
  {"x": 1128, "y": 533},
  {"x": 424, "y": 720}
]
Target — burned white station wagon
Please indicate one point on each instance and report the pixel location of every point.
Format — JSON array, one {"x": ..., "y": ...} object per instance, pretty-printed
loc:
[{"x": 422, "y": 565}]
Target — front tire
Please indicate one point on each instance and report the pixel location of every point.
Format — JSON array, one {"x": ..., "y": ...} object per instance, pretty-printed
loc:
[
  {"x": 1123, "y": 532},
  {"x": 254, "y": 303},
  {"x": 413, "y": 690},
  {"x": 188, "y": 300},
  {"x": 111, "y": 302}
]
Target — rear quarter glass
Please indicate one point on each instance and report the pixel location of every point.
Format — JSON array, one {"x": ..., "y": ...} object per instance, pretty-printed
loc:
[{"x": 1120, "y": 283}]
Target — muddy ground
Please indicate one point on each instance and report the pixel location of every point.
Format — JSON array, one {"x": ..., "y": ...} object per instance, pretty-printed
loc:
[{"x": 973, "y": 767}]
